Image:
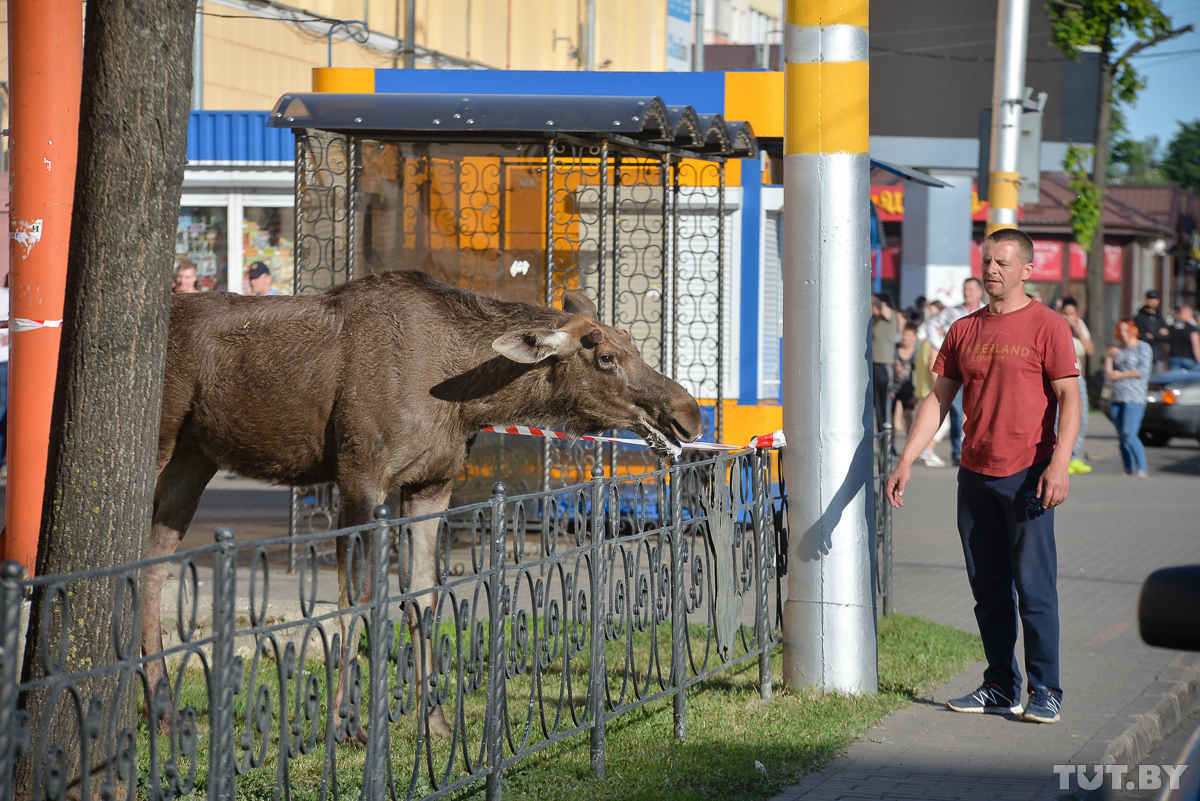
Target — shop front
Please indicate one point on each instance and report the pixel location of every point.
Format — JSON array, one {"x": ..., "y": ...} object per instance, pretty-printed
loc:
[{"x": 237, "y": 206}]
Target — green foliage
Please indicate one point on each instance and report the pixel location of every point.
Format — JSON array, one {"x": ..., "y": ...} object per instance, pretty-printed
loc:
[
  {"x": 1080, "y": 24},
  {"x": 1088, "y": 203},
  {"x": 1182, "y": 162},
  {"x": 1131, "y": 161}
]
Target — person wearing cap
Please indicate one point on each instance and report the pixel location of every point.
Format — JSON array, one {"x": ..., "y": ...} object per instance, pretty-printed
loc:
[
  {"x": 260, "y": 279},
  {"x": 1152, "y": 327}
]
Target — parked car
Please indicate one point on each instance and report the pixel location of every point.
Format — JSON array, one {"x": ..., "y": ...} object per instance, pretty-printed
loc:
[
  {"x": 1169, "y": 617},
  {"x": 1172, "y": 407}
]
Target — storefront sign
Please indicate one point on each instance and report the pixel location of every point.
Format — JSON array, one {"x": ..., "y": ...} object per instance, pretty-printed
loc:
[
  {"x": 1114, "y": 256},
  {"x": 1047, "y": 260},
  {"x": 889, "y": 203}
]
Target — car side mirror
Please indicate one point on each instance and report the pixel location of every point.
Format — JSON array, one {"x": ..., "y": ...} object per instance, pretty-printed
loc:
[{"x": 1169, "y": 608}]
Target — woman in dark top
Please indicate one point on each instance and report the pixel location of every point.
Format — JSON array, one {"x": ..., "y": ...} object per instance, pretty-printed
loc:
[{"x": 904, "y": 389}]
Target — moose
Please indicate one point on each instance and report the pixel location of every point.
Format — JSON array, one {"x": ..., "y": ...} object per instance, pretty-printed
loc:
[{"x": 381, "y": 385}]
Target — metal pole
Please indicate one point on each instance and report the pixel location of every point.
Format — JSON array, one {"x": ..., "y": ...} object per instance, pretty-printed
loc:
[
  {"x": 494, "y": 725},
  {"x": 45, "y": 41},
  {"x": 719, "y": 416},
  {"x": 198, "y": 62},
  {"x": 762, "y": 626},
  {"x": 698, "y": 47},
  {"x": 598, "y": 671},
  {"x": 829, "y": 615},
  {"x": 11, "y": 596},
  {"x": 1008, "y": 86},
  {"x": 226, "y": 672},
  {"x": 410, "y": 34},
  {"x": 589, "y": 40},
  {"x": 375, "y": 777}
]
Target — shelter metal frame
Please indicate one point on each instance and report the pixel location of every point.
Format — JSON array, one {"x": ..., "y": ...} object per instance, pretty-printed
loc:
[{"x": 635, "y": 219}]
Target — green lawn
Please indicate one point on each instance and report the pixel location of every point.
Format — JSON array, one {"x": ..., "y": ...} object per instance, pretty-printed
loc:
[{"x": 731, "y": 733}]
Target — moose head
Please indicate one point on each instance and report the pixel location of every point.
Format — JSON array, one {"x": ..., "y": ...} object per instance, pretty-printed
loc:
[{"x": 599, "y": 380}]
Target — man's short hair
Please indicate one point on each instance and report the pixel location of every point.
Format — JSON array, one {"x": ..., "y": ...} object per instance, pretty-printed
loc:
[
  {"x": 975, "y": 281},
  {"x": 1070, "y": 301},
  {"x": 1022, "y": 240}
]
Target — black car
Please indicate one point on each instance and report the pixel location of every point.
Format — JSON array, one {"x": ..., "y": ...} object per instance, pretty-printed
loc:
[{"x": 1172, "y": 407}]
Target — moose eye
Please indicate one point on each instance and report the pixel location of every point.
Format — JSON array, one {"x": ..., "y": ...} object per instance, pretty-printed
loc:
[{"x": 608, "y": 359}]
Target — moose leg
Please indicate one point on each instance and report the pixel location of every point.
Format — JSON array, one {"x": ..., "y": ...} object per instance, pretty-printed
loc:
[
  {"x": 356, "y": 507},
  {"x": 176, "y": 496},
  {"x": 424, "y": 576}
]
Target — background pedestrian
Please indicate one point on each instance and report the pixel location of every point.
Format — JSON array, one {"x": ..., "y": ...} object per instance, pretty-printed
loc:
[
  {"x": 884, "y": 331},
  {"x": 1127, "y": 367},
  {"x": 260, "y": 279},
  {"x": 1082, "y": 339},
  {"x": 1152, "y": 327},
  {"x": 185, "y": 279},
  {"x": 935, "y": 330},
  {"x": 1184, "y": 340}
]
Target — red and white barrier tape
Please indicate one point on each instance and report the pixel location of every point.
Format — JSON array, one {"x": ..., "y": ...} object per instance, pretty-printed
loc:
[
  {"x": 772, "y": 440},
  {"x": 18, "y": 324}
]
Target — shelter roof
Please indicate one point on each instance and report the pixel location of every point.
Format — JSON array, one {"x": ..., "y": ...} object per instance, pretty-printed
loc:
[{"x": 635, "y": 121}]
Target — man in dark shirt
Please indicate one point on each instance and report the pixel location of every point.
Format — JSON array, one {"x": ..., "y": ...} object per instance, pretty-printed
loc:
[
  {"x": 1185, "y": 340},
  {"x": 1153, "y": 328}
]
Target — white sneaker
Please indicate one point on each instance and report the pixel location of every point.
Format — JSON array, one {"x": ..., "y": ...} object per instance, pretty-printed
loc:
[{"x": 931, "y": 459}]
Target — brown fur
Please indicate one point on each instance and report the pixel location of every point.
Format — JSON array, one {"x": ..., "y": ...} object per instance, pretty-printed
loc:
[{"x": 381, "y": 384}]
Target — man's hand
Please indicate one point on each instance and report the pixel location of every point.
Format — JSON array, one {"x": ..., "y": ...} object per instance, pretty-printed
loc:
[
  {"x": 1053, "y": 485},
  {"x": 894, "y": 488}
]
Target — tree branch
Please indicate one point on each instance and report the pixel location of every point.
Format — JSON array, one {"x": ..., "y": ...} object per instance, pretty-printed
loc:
[{"x": 1137, "y": 47}]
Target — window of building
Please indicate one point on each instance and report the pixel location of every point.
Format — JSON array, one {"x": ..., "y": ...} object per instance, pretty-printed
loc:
[{"x": 200, "y": 239}]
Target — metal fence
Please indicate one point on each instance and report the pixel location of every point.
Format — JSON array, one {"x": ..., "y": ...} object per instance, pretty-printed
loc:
[
  {"x": 563, "y": 611},
  {"x": 885, "y": 461}
]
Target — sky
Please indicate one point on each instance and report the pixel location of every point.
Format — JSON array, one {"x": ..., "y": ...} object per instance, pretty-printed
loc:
[{"x": 1172, "y": 81}]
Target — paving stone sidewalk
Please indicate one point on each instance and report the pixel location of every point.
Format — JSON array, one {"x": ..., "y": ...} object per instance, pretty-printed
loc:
[{"x": 1112, "y": 532}]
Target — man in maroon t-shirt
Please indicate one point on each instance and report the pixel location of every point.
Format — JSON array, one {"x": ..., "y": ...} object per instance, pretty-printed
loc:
[{"x": 1015, "y": 362}]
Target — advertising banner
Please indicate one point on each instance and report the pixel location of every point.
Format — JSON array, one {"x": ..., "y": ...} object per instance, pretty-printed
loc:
[{"x": 679, "y": 35}]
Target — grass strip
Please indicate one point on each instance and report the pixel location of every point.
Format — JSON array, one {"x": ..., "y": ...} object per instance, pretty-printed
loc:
[
  {"x": 737, "y": 746},
  {"x": 731, "y": 732}
]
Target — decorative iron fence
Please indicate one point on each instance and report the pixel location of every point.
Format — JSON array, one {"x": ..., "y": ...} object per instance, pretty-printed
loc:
[
  {"x": 885, "y": 460},
  {"x": 563, "y": 611}
]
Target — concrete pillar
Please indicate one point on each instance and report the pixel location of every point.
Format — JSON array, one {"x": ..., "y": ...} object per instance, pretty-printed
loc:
[{"x": 935, "y": 256}]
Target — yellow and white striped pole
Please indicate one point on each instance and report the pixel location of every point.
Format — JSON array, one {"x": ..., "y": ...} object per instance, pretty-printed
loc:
[
  {"x": 829, "y": 615},
  {"x": 1008, "y": 90}
]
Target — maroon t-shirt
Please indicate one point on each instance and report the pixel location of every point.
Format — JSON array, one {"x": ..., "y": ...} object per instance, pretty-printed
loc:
[{"x": 1006, "y": 363}]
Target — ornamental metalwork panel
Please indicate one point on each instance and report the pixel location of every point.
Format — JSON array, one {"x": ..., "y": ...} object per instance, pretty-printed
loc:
[
  {"x": 446, "y": 660},
  {"x": 524, "y": 222}
]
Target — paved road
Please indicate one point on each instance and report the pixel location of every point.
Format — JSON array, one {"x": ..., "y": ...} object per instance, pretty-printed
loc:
[{"x": 1112, "y": 532}]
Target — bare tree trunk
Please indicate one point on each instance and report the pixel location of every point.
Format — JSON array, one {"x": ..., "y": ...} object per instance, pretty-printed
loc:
[
  {"x": 104, "y": 430},
  {"x": 1096, "y": 312}
]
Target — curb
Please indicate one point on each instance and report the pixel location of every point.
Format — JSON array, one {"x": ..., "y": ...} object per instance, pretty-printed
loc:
[{"x": 1156, "y": 713}]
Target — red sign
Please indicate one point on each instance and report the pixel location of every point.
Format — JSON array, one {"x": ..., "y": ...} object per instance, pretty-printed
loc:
[
  {"x": 1114, "y": 257},
  {"x": 1047, "y": 260}
]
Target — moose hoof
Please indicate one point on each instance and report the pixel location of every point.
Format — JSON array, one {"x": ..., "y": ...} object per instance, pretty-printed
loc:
[{"x": 437, "y": 726}]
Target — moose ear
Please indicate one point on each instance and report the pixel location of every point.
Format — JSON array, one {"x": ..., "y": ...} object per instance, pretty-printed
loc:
[
  {"x": 532, "y": 346},
  {"x": 575, "y": 302}
]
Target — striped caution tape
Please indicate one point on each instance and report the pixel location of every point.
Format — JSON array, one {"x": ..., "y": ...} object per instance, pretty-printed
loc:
[
  {"x": 772, "y": 440},
  {"x": 18, "y": 324}
]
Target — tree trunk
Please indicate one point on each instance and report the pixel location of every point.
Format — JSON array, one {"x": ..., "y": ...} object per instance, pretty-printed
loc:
[
  {"x": 1096, "y": 316},
  {"x": 100, "y": 477}
]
